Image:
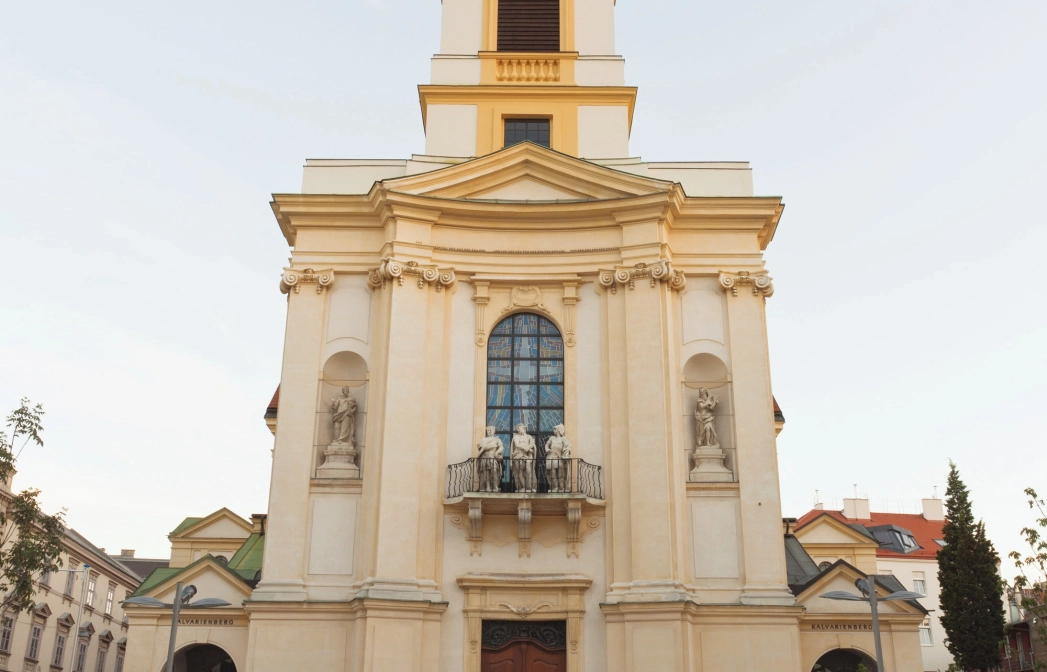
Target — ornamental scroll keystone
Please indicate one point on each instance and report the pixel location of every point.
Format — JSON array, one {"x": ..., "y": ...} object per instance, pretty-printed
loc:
[
  {"x": 294, "y": 279},
  {"x": 392, "y": 269},
  {"x": 659, "y": 271},
  {"x": 761, "y": 282}
]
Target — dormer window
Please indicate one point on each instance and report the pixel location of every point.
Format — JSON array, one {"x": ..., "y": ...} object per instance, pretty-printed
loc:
[{"x": 529, "y": 25}]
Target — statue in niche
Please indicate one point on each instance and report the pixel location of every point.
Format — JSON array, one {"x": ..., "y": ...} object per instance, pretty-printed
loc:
[
  {"x": 523, "y": 452},
  {"x": 344, "y": 419},
  {"x": 557, "y": 454},
  {"x": 707, "y": 458},
  {"x": 703, "y": 415},
  {"x": 490, "y": 452}
]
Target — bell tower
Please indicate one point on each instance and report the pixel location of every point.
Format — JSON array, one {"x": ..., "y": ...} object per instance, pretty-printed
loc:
[{"x": 538, "y": 70}]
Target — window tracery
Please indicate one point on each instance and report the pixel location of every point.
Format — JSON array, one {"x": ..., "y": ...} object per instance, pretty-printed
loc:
[{"x": 525, "y": 381}]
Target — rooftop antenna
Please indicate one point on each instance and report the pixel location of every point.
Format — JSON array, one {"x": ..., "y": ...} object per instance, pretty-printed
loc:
[
  {"x": 856, "y": 491},
  {"x": 936, "y": 492},
  {"x": 816, "y": 497}
]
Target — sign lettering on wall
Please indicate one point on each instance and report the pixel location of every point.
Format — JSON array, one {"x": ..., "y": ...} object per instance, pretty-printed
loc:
[
  {"x": 843, "y": 626},
  {"x": 207, "y": 622}
]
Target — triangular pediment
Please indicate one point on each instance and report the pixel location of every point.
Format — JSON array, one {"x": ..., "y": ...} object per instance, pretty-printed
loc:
[
  {"x": 211, "y": 578},
  {"x": 827, "y": 530},
  {"x": 222, "y": 524},
  {"x": 841, "y": 576},
  {"x": 527, "y": 173}
]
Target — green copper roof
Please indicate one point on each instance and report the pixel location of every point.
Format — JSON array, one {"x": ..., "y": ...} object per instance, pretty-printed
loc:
[
  {"x": 249, "y": 556},
  {"x": 245, "y": 564},
  {"x": 185, "y": 525}
]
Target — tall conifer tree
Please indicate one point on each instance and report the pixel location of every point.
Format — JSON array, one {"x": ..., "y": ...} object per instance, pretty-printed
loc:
[{"x": 971, "y": 590}]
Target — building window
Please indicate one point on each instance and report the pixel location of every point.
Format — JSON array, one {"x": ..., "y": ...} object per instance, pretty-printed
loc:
[
  {"x": 925, "y": 636},
  {"x": 525, "y": 383},
  {"x": 70, "y": 582},
  {"x": 34, "y": 642},
  {"x": 59, "y": 657},
  {"x": 45, "y": 578},
  {"x": 6, "y": 633},
  {"x": 919, "y": 583},
  {"x": 535, "y": 130},
  {"x": 91, "y": 591},
  {"x": 100, "y": 667},
  {"x": 81, "y": 656},
  {"x": 119, "y": 663},
  {"x": 529, "y": 25},
  {"x": 824, "y": 565},
  {"x": 109, "y": 597}
]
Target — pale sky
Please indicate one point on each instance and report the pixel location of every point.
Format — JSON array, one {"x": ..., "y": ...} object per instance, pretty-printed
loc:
[{"x": 140, "y": 143}]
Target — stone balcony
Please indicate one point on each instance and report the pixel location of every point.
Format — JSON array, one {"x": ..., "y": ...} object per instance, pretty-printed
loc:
[{"x": 524, "y": 488}]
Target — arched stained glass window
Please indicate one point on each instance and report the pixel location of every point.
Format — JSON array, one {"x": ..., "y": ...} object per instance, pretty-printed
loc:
[{"x": 525, "y": 379}]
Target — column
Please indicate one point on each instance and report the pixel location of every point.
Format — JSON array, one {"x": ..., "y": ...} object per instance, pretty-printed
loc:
[
  {"x": 293, "y": 456},
  {"x": 640, "y": 345},
  {"x": 760, "y": 496}
]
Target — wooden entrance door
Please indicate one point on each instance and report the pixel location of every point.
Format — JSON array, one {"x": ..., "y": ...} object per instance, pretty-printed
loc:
[
  {"x": 524, "y": 646},
  {"x": 523, "y": 657}
]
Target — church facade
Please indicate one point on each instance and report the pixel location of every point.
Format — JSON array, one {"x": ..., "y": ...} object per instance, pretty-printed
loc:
[{"x": 525, "y": 415}]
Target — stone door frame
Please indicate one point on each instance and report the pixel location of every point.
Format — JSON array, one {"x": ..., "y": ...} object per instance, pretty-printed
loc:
[{"x": 523, "y": 597}]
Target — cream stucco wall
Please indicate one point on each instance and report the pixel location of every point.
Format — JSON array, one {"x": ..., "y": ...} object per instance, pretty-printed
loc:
[
  {"x": 451, "y": 130},
  {"x": 594, "y": 27},
  {"x": 603, "y": 132}
]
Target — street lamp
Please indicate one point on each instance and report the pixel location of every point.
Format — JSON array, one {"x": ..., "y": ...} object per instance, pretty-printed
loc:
[
  {"x": 182, "y": 602},
  {"x": 868, "y": 588}
]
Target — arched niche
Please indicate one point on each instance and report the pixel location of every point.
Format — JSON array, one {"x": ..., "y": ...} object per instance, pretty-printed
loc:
[
  {"x": 709, "y": 371},
  {"x": 345, "y": 369}
]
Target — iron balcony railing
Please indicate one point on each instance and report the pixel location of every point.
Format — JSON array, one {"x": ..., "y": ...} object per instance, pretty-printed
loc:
[{"x": 538, "y": 477}]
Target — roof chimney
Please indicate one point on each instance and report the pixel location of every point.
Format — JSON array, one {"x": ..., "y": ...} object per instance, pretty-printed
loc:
[
  {"x": 933, "y": 509},
  {"x": 127, "y": 552},
  {"x": 258, "y": 522},
  {"x": 856, "y": 509}
]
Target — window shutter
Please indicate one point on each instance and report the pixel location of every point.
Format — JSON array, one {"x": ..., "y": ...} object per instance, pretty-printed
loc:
[{"x": 529, "y": 25}]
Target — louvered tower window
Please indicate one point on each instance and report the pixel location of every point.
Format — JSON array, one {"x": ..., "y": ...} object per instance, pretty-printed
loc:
[{"x": 529, "y": 25}]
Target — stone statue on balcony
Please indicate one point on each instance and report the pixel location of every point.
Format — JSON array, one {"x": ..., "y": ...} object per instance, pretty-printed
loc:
[
  {"x": 344, "y": 418},
  {"x": 490, "y": 452},
  {"x": 523, "y": 452},
  {"x": 557, "y": 454}
]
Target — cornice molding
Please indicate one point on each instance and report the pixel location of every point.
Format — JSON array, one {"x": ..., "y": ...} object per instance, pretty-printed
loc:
[
  {"x": 659, "y": 271},
  {"x": 391, "y": 269},
  {"x": 293, "y": 279},
  {"x": 760, "y": 282}
]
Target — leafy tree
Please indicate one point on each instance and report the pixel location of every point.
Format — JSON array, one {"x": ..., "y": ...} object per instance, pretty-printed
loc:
[
  {"x": 1030, "y": 583},
  {"x": 971, "y": 589},
  {"x": 30, "y": 540}
]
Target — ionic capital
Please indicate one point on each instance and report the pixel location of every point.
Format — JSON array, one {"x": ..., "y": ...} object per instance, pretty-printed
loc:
[
  {"x": 392, "y": 269},
  {"x": 760, "y": 282},
  {"x": 293, "y": 279},
  {"x": 659, "y": 271}
]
